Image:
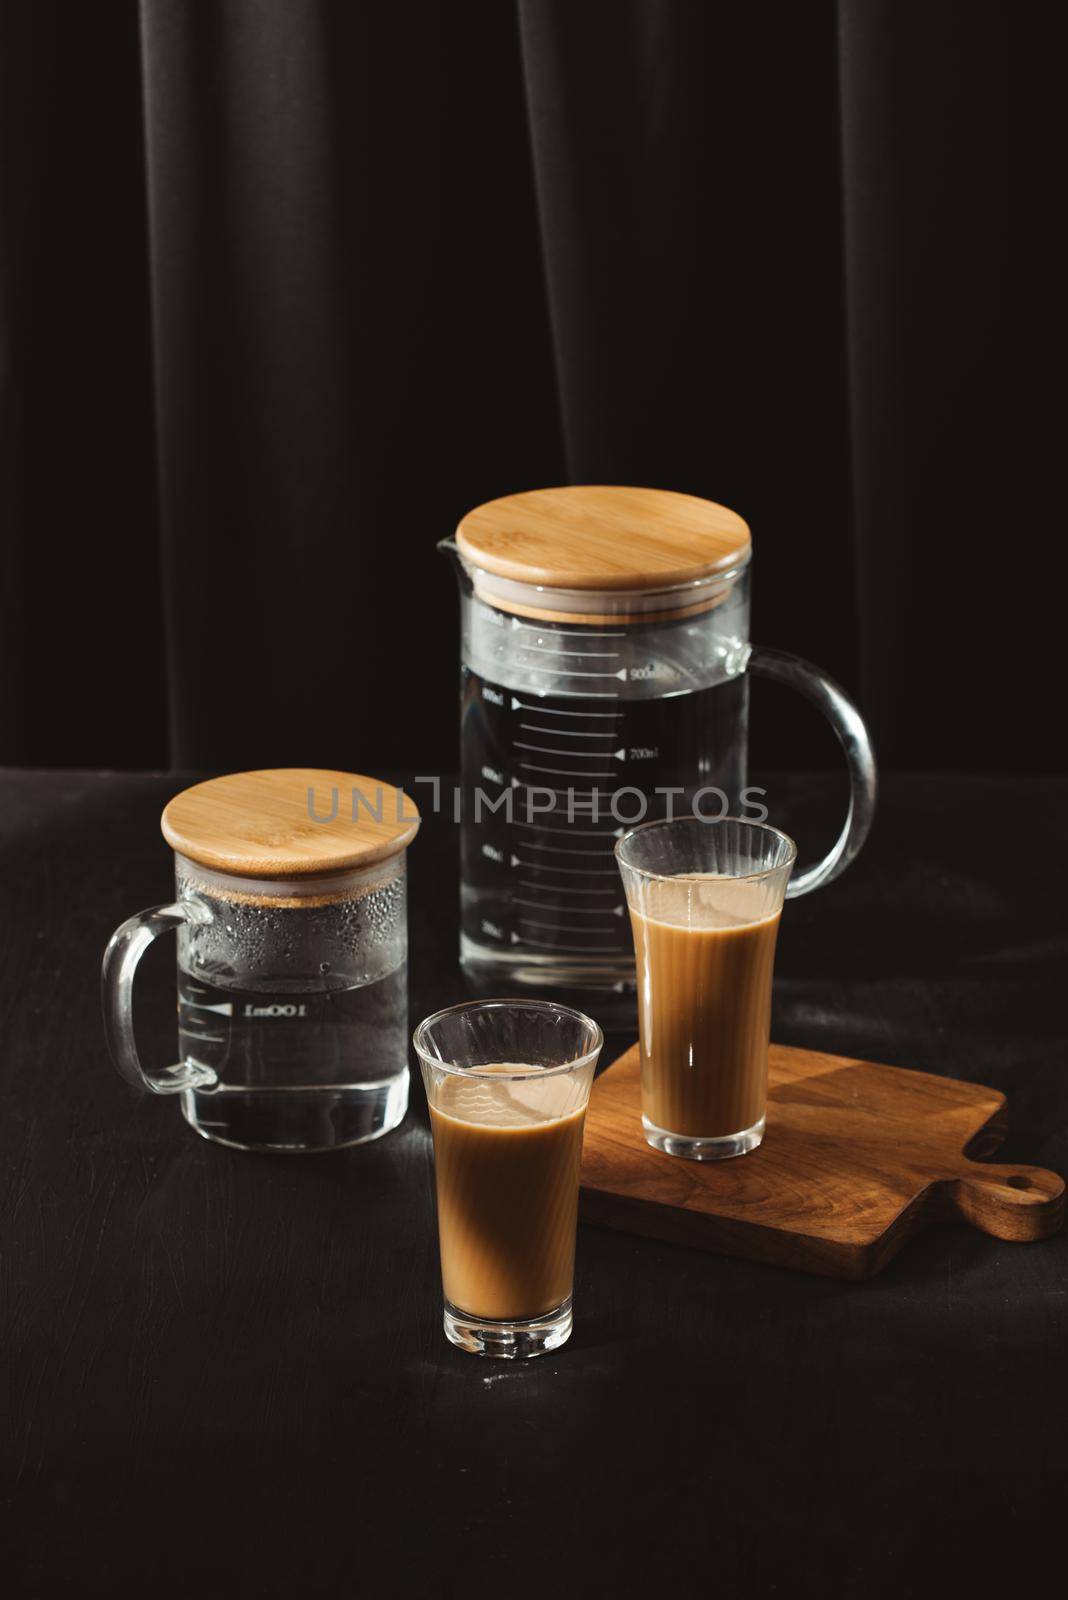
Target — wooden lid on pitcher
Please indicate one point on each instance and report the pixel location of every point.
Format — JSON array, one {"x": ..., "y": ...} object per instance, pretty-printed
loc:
[
  {"x": 603, "y": 538},
  {"x": 290, "y": 822}
]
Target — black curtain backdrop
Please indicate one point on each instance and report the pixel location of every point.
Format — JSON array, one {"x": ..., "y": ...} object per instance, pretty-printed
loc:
[{"x": 287, "y": 285}]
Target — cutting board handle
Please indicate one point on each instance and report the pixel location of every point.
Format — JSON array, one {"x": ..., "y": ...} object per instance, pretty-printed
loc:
[{"x": 1009, "y": 1202}]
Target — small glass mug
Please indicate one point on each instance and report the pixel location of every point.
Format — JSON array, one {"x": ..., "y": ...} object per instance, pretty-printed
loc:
[
  {"x": 507, "y": 1083},
  {"x": 705, "y": 899},
  {"x": 292, "y": 990}
]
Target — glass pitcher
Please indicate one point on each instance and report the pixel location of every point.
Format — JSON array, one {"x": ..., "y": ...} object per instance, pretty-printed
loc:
[
  {"x": 605, "y": 663},
  {"x": 290, "y": 915}
]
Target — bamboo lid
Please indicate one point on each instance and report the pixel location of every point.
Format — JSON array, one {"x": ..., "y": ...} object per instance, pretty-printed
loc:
[
  {"x": 289, "y": 822},
  {"x": 598, "y": 537}
]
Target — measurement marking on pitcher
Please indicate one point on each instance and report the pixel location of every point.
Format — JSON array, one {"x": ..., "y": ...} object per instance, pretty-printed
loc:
[
  {"x": 558, "y": 850},
  {"x": 563, "y": 772},
  {"x": 547, "y": 750},
  {"x": 562, "y": 888},
  {"x": 565, "y": 633},
  {"x": 555, "y": 672},
  {"x": 547, "y": 788},
  {"x": 551, "y": 711},
  {"x": 571, "y": 733},
  {"x": 582, "y": 655},
  {"x": 572, "y": 872},
  {"x": 562, "y": 927},
  {"x": 578, "y": 833},
  {"x": 584, "y": 812},
  {"x": 578, "y": 949},
  {"x": 574, "y": 911}
]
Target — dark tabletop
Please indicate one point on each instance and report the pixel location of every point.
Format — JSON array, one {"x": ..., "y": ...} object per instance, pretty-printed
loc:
[{"x": 225, "y": 1374}]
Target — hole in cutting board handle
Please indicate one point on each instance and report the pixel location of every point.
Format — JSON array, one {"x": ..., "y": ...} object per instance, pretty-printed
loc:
[{"x": 1009, "y": 1205}]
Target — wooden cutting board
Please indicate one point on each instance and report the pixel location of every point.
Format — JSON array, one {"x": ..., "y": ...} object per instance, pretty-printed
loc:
[{"x": 855, "y": 1159}]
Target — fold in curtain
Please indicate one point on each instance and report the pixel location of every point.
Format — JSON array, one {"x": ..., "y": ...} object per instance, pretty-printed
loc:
[{"x": 285, "y": 288}]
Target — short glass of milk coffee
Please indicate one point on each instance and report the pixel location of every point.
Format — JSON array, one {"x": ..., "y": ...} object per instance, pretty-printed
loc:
[
  {"x": 705, "y": 898},
  {"x": 507, "y": 1083}
]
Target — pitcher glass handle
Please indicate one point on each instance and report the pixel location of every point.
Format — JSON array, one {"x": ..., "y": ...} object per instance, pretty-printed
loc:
[
  {"x": 125, "y": 949},
  {"x": 848, "y": 724}
]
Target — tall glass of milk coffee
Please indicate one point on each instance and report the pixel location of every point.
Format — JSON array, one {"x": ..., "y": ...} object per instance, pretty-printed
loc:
[
  {"x": 705, "y": 898},
  {"x": 507, "y": 1083}
]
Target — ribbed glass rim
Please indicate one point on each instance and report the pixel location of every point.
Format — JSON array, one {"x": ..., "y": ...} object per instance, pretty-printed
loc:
[
  {"x": 520, "y": 1003},
  {"x": 706, "y": 822}
]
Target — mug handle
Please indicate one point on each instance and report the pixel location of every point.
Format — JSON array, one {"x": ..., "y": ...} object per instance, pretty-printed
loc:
[
  {"x": 125, "y": 948},
  {"x": 848, "y": 724}
]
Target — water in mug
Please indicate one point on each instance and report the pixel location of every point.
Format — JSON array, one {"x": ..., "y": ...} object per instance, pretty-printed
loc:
[{"x": 310, "y": 1051}]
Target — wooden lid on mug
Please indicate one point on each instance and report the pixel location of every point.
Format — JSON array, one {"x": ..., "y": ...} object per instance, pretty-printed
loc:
[
  {"x": 603, "y": 537},
  {"x": 290, "y": 822}
]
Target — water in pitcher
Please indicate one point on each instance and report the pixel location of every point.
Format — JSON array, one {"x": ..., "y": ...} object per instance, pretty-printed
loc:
[
  {"x": 550, "y": 781},
  {"x": 570, "y": 732},
  {"x": 308, "y": 1038},
  {"x": 605, "y": 654}
]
